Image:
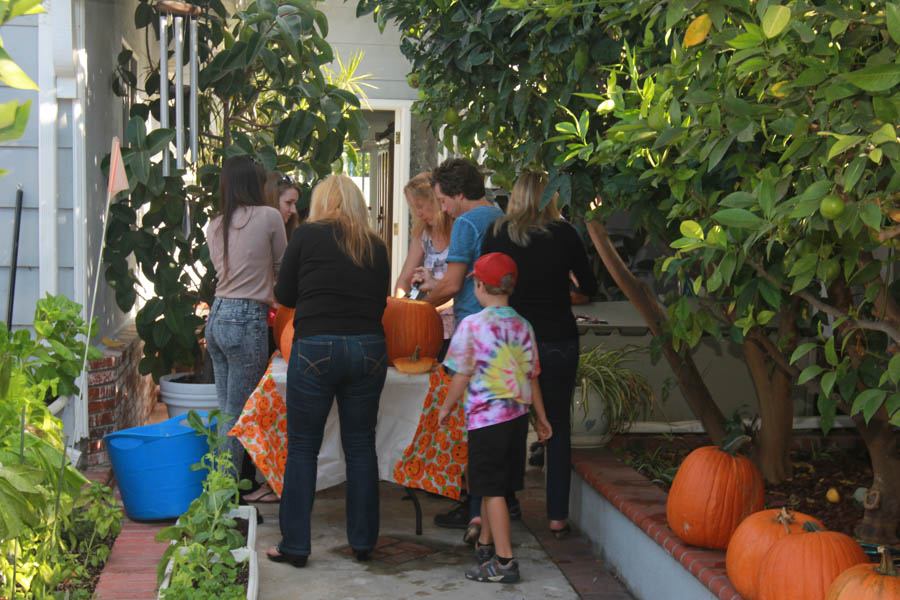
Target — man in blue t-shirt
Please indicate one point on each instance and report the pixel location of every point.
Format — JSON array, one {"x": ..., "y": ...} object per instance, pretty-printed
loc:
[{"x": 459, "y": 186}]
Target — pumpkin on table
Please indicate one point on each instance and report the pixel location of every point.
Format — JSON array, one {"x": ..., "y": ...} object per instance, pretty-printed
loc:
[
  {"x": 409, "y": 324},
  {"x": 803, "y": 566},
  {"x": 753, "y": 539},
  {"x": 868, "y": 582},
  {"x": 713, "y": 491}
]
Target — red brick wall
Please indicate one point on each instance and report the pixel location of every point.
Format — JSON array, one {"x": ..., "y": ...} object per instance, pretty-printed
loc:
[{"x": 119, "y": 397}]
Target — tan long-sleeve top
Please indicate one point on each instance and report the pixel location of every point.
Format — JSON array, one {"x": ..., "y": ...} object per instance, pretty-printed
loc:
[{"x": 256, "y": 243}]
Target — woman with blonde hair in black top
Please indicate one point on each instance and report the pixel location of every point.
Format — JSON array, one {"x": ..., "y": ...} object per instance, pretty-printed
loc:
[
  {"x": 335, "y": 272},
  {"x": 546, "y": 250}
]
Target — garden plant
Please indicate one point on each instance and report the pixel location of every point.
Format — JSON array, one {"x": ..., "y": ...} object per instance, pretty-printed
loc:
[
  {"x": 755, "y": 142},
  {"x": 56, "y": 531},
  {"x": 204, "y": 536}
]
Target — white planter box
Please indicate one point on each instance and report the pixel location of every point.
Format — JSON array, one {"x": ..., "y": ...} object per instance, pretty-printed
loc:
[{"x": 247, "y": 553}]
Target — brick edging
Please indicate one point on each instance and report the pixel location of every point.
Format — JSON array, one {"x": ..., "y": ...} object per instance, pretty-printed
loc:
[{"x": 645, "y": 505}]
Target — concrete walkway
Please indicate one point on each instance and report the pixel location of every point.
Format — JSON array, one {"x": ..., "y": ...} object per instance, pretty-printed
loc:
[{"x": 432, "y": 565}]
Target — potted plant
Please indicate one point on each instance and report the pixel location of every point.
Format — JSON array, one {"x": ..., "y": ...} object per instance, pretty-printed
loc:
[
  {"x": 211, "y": 550},
  {"x": 608, "y": 397},
  {"x": 262, "y": 93}
]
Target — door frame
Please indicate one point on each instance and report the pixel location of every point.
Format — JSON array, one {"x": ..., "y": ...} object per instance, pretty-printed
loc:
[{"x": 400, "y": 212}]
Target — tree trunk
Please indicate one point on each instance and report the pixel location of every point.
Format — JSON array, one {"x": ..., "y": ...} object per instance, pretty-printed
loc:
[
  {"x": 689, "y": 380},
  {"x": 882, "y": 502},
  {"x": 774, "y": 389}
]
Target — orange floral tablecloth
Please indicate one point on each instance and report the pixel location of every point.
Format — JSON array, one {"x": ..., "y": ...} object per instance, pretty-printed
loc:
[
  {"x": 437, "y": 456},
  {"x": 413, "y": 450}
]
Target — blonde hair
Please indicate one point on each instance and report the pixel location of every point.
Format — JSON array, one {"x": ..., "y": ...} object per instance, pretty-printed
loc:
[
  {"x": 336, "y": 199},
  {"x": 523, "y": 213},
  {"x": 419, "y": 188}
]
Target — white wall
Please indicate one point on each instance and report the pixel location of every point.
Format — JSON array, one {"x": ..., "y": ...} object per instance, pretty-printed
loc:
[{"x": 382, "y": 57}]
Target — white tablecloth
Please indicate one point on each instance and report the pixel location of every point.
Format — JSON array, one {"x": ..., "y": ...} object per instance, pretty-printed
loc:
[{"x": 398, "y": 416}]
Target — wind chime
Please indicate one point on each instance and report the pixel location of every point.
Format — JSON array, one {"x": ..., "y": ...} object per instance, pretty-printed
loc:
[{"x": 178, "y": 12}]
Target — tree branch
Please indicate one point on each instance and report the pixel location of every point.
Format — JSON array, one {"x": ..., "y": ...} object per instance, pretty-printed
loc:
[
  {"x": 889, "y": 234},
  {"x": 885, "y": 328}
]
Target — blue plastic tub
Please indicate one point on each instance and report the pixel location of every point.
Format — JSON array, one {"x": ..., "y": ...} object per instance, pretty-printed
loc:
[{"x": 152, "y": 467}]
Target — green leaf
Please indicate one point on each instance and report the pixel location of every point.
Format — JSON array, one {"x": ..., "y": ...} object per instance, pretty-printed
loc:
[
  {"x": 12, "y": 74},
  {"x": 868, "y": 402},
  {"x": 801, "y": 351},
  {"x": 843, "y": 143},
  {"x": 886, "y": 133},
  {"x": 854, "y": 171},
  {"x": 892, "y": 404},
  {"x": 827, "y": 408},
  {"x": 775, "y": 20},
  {"x": 828, "y": 382},
  {"x": 892, "y": 17},
  {"x": 737, "y": 217},
  {"x": 893, "y": 369},
  {"x": 809, "y": 373},
  {"x": 830, "y": 354},
  {"x": 17, "y": 128},
  {"x": 870, "y": 214},
  {"x": 727, "y": 266},
  {"x": 691, "y": 229},
  {"x": 876, "y": 78}
]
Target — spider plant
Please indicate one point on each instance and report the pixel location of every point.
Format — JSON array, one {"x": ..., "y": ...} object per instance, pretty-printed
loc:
[{"x": 625, "y": 393}]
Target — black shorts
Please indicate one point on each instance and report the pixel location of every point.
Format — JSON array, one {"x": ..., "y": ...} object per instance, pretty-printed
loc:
[{"x": 497, "y": 458}]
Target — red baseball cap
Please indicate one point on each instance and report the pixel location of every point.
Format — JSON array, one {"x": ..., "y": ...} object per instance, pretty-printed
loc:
[{"x": 493, "y": 266}]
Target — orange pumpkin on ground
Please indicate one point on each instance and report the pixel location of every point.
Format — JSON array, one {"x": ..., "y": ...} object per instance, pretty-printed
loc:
[
  {"x": 283, "y": 330},
  {"x": 803, "y": 566},
  {"x": 868, "y": 582},
  {"x": 414, "y": 365},
  {"x": 752, "y": 540},
  {"x": 410, "y": 323},
  {"x": 713, "y": 491}
]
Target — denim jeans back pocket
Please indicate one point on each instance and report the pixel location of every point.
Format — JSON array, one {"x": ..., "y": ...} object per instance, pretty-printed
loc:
[
  {"x": 313, "y": 357},
  {"x": 374, "y": 355}
]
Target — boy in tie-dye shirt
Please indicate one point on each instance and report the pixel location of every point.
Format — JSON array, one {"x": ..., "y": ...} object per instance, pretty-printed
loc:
[{"x": 494, "y": 356}]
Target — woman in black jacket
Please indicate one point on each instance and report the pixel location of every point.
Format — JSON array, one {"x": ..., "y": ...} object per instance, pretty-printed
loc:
[{"x": 547, "y": 250}]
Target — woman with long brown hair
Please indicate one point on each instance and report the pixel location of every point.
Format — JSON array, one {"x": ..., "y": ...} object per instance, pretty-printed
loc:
[
  {"x": 246, "y": 242},
  {"x": 284, "y": 193},
  {"x": 336, "y": 275}
]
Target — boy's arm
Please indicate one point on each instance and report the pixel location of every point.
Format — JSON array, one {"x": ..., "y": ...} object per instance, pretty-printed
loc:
[
  {"x": 544, "y": 430},
  {"x": 458, "y": 384}
]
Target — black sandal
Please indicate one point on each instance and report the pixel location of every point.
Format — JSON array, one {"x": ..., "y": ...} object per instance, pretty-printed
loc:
[
  {"x": 561, "y": 532},
  {"x": 295, "y": 560}
]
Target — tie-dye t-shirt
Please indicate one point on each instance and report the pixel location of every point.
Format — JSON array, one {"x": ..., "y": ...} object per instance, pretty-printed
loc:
[{"x": 496, "y": 348}]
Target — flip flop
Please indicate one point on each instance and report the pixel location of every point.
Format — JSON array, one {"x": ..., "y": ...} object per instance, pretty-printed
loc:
[
  {"x": 561, "y": 532},
  {"x": 264, "y": 498}
]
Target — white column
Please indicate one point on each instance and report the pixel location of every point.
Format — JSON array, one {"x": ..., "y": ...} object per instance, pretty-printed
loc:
[{"x": 48, "y": 272}]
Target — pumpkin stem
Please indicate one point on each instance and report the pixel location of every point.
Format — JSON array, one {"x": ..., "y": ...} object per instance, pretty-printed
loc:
[
  {"x": 886, "y": 567},
  {"x": 415, "y": 355},
  {"x": 731, "y": 445},
  {"x": 811, "y": 527},
  {"x": 785, "y": 518}
]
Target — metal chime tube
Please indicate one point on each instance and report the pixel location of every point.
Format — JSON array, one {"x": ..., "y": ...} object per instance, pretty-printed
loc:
[
  {"x": 178, "y": 39},
  {"x": 195, "y": 117},
  {"x": 164, "y": 82}
]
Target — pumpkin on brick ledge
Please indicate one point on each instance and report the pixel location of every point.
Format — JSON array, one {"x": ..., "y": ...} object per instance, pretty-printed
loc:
[
  {"x": 409, "y": 324},
  {"x": 713, "y": 491}
]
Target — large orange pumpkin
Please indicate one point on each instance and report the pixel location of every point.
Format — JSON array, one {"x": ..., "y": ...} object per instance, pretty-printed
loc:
[
  {"x": 713, "y": 491},
  {"x": 868, "y": 582},
  {"x": 410, "y": 323},
  {"x": 283, "y": 330},
  {"x": 803, "y": 566},
  {"x": 752, "y": 540}
]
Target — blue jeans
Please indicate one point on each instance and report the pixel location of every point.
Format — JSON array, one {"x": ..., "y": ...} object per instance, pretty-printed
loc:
[
  {"x": 351, "y": 368},
  {"x": 237, "y": 343},
  {"x": 559, "y": 362}
]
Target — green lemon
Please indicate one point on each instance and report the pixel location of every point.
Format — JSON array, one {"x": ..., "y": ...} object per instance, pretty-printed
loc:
[
  {"x": 413, "y": 80},
  {"x": 831, "y": 207},
  {"x": 450, "y": 117},
  {"x": 832, "y": 270}
]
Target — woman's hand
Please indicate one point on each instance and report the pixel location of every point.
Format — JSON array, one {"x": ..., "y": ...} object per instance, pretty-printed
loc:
[
  {"x": 423, "y": 277},
  {"x": 544, "y": 430}
]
